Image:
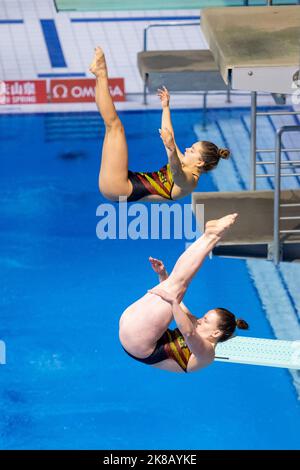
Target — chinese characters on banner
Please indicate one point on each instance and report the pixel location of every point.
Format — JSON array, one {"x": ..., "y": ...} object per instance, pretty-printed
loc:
[
  {"x": 23, "y": 92},
  {"x": 59, "y": 91}
]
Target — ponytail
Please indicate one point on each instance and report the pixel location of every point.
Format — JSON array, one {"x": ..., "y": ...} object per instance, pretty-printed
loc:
[
  {"x": 211, "y": 155},
  {"x": 228, "y": 323}
]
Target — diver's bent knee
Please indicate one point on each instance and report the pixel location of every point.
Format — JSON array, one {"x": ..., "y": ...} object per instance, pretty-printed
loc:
[
  {"x": 175, "y": 284},
  {"x": 111, "y": 195},
  {"x": 113, "y": 192},
  {"x": 114, "y": 124}
]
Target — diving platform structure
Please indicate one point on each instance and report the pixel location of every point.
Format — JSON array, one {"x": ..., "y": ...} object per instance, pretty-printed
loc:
[
  {"x": 179, "y": 71},
  {"x": 254, "y": 49},
  {"x": 192, "y": 71},
  {"x": 251, "y": 49},
  {"x": 252, "y": 236},
  {"x": 258, "y": 49}
]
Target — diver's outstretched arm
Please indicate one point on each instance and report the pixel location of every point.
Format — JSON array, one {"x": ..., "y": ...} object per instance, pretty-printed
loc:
[
  {"x": 182, "y": 176},
  {"x": 166, "y": 121},
  {"x": 160, "y": 269}
]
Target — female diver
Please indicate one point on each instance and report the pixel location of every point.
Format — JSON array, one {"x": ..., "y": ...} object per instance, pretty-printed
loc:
[
  {"x": 144, "y": 332},
  {"x": 175, "y": 180}
]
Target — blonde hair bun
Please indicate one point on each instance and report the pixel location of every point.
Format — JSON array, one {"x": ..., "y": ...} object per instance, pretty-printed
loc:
[{"x": 223, "y": 153}]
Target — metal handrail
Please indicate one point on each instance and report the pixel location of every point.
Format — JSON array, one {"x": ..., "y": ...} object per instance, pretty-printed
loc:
[
  {"x": 273, "y": 151},
  {"x": 277, "y": 113},
  {"x": 268, "y": 3},
  {"x": 293, "y": 163},
  {"x": 253, "y": 140},
  {"x": 290, "y": 231},
  {"x": 276, "y": 235},
  {"x": 253, "y": 149},
  {"x": 270, "y": 175},
  {"x": 291, "y": 204},
  {"x": 159, "y": 25}
]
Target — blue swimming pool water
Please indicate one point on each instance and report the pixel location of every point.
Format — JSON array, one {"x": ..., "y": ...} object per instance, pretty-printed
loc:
[{"x": 67, "y": 383}]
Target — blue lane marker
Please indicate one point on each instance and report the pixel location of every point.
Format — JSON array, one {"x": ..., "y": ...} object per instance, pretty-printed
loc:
[
  {"x": 226, "y": 144},
  {"x": 53, "y": 43},
  {"x": 135, "y": 18},
  {"x": 53, "y": 75},
  {"x": 11, "y": 21}
]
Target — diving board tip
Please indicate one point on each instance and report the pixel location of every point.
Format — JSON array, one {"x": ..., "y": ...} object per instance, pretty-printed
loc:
[{"x": 260, "y": 352}]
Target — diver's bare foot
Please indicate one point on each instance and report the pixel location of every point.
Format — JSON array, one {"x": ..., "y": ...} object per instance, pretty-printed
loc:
[
  {"x": 218, "y": 227},
  {"x": 98, "y": 65}
]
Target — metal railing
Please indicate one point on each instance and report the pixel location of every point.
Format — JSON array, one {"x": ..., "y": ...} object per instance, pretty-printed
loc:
[
  {"x": 145, "y": 41},
  {"x": 276, "y": 249},
  {"x": 160, "y": 25},
  {"x": 269, "y": 3},
  {"x": 145, "y": 49},
  {"x": 254, "y": 151}
]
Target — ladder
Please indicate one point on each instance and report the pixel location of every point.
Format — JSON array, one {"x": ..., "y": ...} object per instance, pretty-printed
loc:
[{"x": 280, "y": 216}]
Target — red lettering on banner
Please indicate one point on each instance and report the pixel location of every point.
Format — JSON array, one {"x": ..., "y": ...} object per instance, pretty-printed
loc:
[
  {"x": 23, "y": 92},
  {"x": 83, "y": 90}
]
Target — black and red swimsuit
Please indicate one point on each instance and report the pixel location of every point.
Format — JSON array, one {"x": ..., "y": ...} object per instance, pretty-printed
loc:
[{"x": 158, "y": 183}]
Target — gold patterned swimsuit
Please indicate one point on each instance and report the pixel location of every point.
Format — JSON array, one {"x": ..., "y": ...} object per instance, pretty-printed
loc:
[
  {"x": 170, "y": 346},
  {"x": 159, "y": 183},
  {"x": 177, "y": 349}
]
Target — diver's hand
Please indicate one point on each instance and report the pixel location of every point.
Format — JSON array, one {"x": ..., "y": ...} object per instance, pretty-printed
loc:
[
  {"x": 167, "y": 138},
  {"x": 163, "y": 294},
  {"x": 164, "y": 96},
  {"x": 158, "y": 266}
]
